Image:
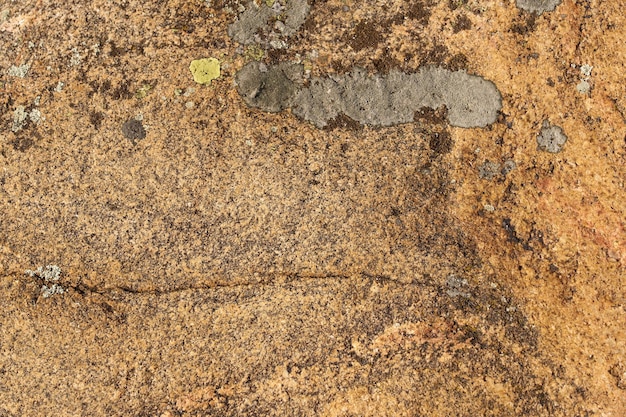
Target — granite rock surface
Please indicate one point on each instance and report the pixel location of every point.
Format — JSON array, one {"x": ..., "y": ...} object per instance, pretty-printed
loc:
[{"x": 168, "y": 250}]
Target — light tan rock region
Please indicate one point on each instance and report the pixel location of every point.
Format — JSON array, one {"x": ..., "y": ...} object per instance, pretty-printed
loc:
[{"x": 277, "y": 236}]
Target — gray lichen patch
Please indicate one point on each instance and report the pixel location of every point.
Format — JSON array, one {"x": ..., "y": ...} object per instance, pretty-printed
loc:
[
  {"x": 253, "y": 19},
  {"x": 457, "y": 287},
  {"x": 270, "y": 89},
  {"x": 393, "y": 99},
  {"x": 19, "y": 118},
  {"x": 296, "y": 13},
  {"x": 584, "y": 86},
  {"x": 19, "y": 71},
  {"x": 508, "y": 166},
  {"x": 50, "y": 276},
  {"x": 489, "y": 170},
  {"x": 22, "y": 115},
  {"x": 538, "y": 6},
  {"x": 375, "y": 100},
  {"x": 551, "y": 138},
  {"x": 289, "y": 16}
]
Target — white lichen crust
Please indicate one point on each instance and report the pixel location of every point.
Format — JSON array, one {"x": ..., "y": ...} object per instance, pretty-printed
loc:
[{"x": 50, "y": 276}]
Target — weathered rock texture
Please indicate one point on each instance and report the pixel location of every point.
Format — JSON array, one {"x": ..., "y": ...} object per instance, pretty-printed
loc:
[{"x": 209, "y": 258}]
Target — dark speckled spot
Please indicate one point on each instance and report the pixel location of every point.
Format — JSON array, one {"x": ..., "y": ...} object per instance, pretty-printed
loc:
[{"x": 133, "y": 130}]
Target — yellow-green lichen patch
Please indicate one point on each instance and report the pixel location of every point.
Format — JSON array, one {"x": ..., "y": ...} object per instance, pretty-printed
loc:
[
  {"x": 254, "y": 53},
  {"x": 143, "y": 91},
  {"x": 205, "y": 70}
]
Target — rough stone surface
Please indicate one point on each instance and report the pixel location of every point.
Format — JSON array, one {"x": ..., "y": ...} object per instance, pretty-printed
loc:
[{"x": 238, "y": 262}]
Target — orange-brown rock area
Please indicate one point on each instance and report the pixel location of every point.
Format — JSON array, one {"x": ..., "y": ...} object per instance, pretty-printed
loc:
[{"x": 166, "y": 250}]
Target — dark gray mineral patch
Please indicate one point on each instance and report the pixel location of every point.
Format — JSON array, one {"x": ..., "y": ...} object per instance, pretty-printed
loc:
[
  {"x": 551, "y": 138},
  {"x": 375, "y": 100},
  {"x": 538, "y": 6}
]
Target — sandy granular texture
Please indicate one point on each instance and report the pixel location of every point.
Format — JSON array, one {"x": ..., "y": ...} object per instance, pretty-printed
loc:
[{"x": 219, "y": 260}]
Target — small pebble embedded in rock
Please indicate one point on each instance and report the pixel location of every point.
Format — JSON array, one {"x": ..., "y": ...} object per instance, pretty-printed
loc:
[{"x": 133, "y": 130}]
